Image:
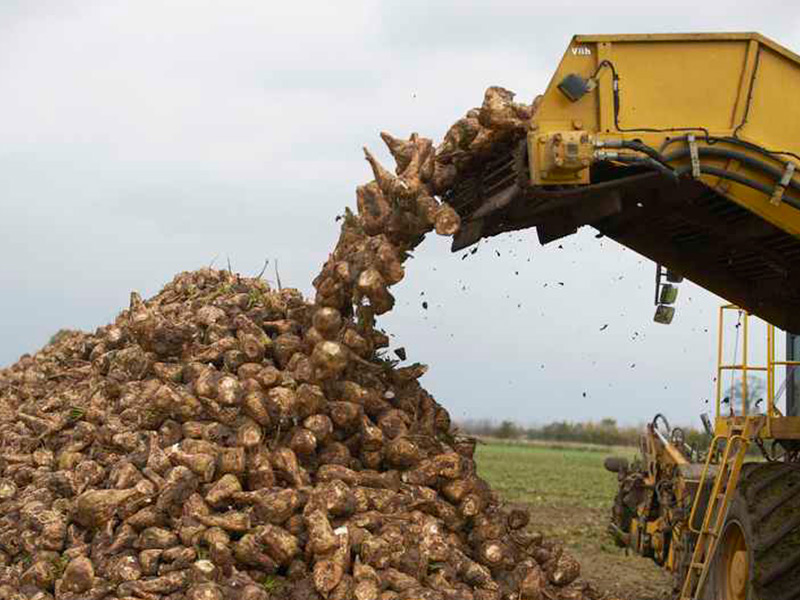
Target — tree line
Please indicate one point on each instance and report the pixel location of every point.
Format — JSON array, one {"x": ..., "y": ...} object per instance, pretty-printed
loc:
[{"x": 606, "y": 432}]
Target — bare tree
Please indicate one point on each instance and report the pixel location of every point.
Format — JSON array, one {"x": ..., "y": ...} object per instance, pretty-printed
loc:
[{"x": 754, "y": 400}]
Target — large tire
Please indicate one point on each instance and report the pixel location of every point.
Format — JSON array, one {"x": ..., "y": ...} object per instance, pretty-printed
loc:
[{"x": 763, "y": 525}]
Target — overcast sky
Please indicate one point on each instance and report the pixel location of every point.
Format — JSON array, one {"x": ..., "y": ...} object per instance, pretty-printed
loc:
[{"x": 142, "y": 138}]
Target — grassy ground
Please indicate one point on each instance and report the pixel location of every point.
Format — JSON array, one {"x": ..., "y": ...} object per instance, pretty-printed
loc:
[{"x": 570, "y": 495}]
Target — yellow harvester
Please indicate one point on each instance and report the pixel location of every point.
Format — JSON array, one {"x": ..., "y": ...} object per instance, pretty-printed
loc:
[{"x": 683, "y": 148}]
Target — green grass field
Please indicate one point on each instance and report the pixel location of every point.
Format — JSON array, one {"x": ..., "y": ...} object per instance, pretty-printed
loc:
[
  {"x": 570, "y": 495},
  {"x": 550, "y": 475}
]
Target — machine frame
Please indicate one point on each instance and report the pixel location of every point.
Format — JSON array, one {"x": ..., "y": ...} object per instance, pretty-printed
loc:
[
  {"x": 682, "y": 147},
  {"x": 678, "y": 507}
]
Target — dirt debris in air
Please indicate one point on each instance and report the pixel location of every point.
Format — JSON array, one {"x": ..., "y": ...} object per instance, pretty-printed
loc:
[{"x": 224, "y": 440}]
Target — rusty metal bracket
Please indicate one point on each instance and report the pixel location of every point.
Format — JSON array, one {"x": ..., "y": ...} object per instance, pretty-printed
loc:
[
  {"x": 780, "y": 189},
  {"x": 695, "y": 156}
]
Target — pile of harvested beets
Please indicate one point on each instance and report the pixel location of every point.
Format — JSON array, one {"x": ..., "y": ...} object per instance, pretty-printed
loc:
[{"x": 226, "y": 440}]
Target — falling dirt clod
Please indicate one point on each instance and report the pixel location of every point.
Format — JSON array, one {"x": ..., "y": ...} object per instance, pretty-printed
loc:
[{"x": 228, "y": 440}]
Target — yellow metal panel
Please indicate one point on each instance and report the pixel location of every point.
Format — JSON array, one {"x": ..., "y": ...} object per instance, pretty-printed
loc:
[
  {"x": 773, "y": 120},
  {"x": 666, "y": 84},
  {"x": 668, "y": 37},
  {"x": 780, "y": 428},
  {"x": 605, "y": 93},
  {"x": 556, "y": 110},
  {"x": 785, "y": 428},
  {"x": 662, "y": 37},
  {"x": 687, "y": 81},
  {"x": 743, "y": 98}
]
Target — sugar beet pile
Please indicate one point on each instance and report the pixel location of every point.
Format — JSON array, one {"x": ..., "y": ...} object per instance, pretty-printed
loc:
[{"x": 225, "y": 440}]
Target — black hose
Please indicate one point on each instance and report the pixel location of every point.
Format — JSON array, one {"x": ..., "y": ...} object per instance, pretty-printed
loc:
[
  {"x": 733, "y": 154},
  {"x": 742, "y": 158},
  {"x": 710, "y": 139},
  {"x": 645, "y": 149},
  {"x": 648, "y": 162},
  {"x": 662, "y": 166},
  {"x": 738, "y": 178}
]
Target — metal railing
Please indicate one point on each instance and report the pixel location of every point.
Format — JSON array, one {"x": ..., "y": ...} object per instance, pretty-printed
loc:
[{"x": 745, "y": 367}]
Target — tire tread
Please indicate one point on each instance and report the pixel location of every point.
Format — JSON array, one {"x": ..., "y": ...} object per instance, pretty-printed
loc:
[{"x": 768, "y": 499}]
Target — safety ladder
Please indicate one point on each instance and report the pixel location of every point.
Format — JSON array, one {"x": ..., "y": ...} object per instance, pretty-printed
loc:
[{"x": 730, "y": 466}]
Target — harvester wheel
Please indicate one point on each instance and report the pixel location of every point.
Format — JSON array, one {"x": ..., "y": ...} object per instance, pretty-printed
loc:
[{"x": 759, "y": 553}]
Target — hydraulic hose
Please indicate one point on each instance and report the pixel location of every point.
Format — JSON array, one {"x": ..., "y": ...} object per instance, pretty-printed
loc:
[
  {"x": 648, "y": 162},
  {"x": 661, "y": 164},
  {"x": 636, "y": 146},
  {"x": 645, "y": 149},
  {"x": 741, "y": 157},
  {"x": 738, "y": 178},
  {"x": 710, "y": 139}
]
